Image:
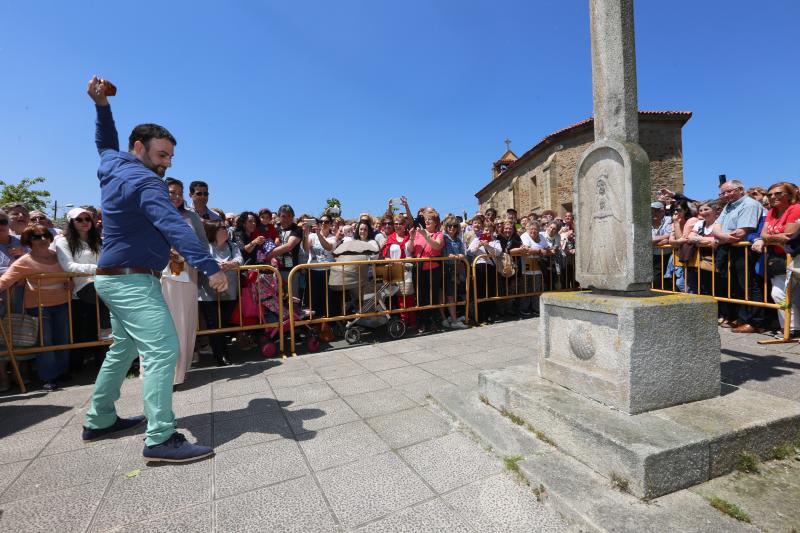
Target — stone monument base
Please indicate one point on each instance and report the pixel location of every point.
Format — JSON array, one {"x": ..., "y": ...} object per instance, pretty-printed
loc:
[
  {"x": 652, "y": 453},
  {"x": 632, "y": 353}
]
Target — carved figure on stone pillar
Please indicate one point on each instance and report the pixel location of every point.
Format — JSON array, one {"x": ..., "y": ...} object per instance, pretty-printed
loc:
[{"x": 606, "y": 229}]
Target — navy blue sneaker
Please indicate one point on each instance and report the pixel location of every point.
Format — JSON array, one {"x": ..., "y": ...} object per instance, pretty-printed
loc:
[
  {"x": 176, "y": 449},
  {"x": 120, "y": 425}
]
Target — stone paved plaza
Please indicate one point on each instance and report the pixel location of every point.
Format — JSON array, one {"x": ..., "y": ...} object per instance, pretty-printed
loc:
[{"x": 345, "y": 440}]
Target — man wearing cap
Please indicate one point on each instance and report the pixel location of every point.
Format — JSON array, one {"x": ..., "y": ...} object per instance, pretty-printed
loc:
[
  {"x": 140, "y": 224},
  {"x": 661, "y": 228}
]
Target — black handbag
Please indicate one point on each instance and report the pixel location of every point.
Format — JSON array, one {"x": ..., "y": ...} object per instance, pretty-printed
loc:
[{"x": 776, "y": 265}]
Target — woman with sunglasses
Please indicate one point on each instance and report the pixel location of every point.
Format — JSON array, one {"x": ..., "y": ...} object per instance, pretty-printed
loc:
[
  {"x": 453, "y": 271},
  {"x": 683, "y": 222},
  {"x": 319, "y": 243},
  {"x": 783, "y": 219},
  {"x": 427, "y": 241},
  {"x": 47, "y": 297},
  {"x": 78, "y": 249}
]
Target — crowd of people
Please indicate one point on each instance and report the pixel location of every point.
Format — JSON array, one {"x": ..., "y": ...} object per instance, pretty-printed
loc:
[
  {"x": 694, "y": 250},
  {"x": 730, "y": 247},
  {"x": 540, "y": 247}
]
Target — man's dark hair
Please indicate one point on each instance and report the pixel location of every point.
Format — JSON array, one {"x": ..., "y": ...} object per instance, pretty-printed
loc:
[
  {"x": 511, "y": 210},
  {"x": 196, "y": 184},
  {"x": 286, "y": 208},
  {"x": 145, "y": 133}
]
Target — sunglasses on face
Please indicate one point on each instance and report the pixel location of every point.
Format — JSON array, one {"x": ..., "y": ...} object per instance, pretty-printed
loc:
[
  {"x": 81, "y": 220},
  {"x": 771, "y": 194},
  {"x": 40, "y": 236},
  {"x": 200, "y": 193},
  {"x": 388, "y": 223},
  {"x": 38, "y": 218},
  {"x": 325, "y": 221}
]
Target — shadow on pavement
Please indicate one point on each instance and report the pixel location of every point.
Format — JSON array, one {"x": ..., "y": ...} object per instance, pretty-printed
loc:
[
  {"x": 746, "y": 367},
  {"x": 270, "y": 421},
  {"x": 15, "y": 418}
]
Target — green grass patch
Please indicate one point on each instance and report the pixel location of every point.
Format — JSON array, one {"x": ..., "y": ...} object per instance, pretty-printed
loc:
[
  {"x": 748, "y": 462},
  {"x": 783, "y": 451},
  {"x": 514, "y": 418},
  {"x": 512, "y": 463},
  {"x": 618, "y": 482},
  {"x": 730, "y": 509},
  {"x": 518, "y": 420}
]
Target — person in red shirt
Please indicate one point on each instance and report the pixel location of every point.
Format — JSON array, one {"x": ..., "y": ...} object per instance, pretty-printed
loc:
[{"x": 783, "y": 219}]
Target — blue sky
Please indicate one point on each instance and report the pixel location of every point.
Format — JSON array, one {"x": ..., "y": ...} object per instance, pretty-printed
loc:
[{"x": 294, "y": 102}]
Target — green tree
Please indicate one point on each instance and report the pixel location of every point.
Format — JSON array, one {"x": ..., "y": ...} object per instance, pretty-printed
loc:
[
  {"x": 333, "y": 206},
  {"x": 25, "y": 193}
]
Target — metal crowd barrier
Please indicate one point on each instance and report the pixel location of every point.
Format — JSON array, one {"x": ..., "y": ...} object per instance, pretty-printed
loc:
[
  {"x": 715, "y": 278},
  {"x": 508, "y": 288},
  {"x": 378, "y": 275},
  {"x": 261, "y": 296},
  {"x": 11, "y": 352}
]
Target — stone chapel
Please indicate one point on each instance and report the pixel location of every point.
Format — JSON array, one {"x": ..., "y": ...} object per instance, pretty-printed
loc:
[{"x": 541, "y": 178}]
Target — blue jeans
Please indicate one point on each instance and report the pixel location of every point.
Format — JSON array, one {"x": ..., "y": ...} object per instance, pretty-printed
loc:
[{"x": 54, "y": 330}]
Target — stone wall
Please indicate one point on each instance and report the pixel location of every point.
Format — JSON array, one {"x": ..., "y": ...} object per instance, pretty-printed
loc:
[{"x": 543, "y": 179}]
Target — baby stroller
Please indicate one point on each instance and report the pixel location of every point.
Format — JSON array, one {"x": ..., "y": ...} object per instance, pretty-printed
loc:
[
  {"x": 266, "y": 284},
  {"x": 376, "y": 302}
]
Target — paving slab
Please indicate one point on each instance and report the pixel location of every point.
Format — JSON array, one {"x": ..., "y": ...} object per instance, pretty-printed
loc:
[
  {"x": 66, "y": 510},
  {"x": 295, "y": 505},
  {"x": 341, "y": 445},
  {"x": 194, "y": 518},
  {"x": 450, "y": 461},
  {"x": 372, "y": 488},
  {"x": 129, "y": 496},
  {"x": 379, "y": 402},
  {"x": 433, "y": 516},
  {"x": 244, "y": 469},
  {"x": 410, "y": 426}
]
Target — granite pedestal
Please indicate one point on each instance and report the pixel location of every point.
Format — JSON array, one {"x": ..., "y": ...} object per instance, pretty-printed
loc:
[{"x": 632, "y": 354}]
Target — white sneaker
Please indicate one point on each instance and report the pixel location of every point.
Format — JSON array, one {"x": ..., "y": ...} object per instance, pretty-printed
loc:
[
  {"x": 458, "y": 325},
  {"x": 446, "y": 323},
  {"x": 105, "y": 334},
  {"x": 461, "y": 319}
]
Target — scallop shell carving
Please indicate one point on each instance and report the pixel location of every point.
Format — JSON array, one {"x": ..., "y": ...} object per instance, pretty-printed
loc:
[{"x": 582, "y": 343}]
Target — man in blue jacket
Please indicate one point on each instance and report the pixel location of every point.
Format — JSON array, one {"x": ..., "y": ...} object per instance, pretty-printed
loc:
[{"x": 140, "y": 224}]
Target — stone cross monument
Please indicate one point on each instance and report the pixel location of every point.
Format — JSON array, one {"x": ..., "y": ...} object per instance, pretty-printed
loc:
[
  {"x": 627, "y": 380},
  {"x": 622, "y": 344},
  {"x": 612, "y": 182}
]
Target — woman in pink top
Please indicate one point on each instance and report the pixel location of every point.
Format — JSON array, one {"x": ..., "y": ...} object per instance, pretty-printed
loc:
[
  {"x": 427, "y": 241},
  {"x": 783, "y": 219},
  {"x": 48, "y": 297}
]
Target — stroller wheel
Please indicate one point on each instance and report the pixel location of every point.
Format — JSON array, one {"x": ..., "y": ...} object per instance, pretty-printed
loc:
[
  {"x": 397, "y": 328},
  {"x": 312, "y": 344},
  {"x": 352, "y": 336},
  {"x": 269, "y": 350}
]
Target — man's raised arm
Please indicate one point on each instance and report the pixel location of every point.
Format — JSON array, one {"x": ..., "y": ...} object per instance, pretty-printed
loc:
[{"x": 105, "y": 136}]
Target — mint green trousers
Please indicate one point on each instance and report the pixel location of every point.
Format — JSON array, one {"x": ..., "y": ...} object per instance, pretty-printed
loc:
[{"x": 141, "y": 325}]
